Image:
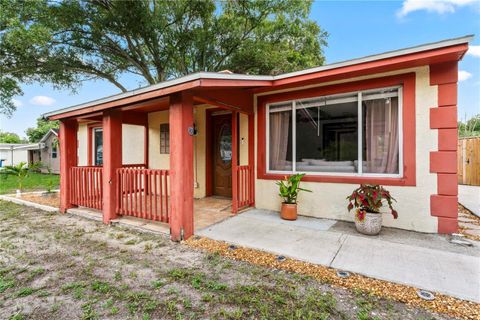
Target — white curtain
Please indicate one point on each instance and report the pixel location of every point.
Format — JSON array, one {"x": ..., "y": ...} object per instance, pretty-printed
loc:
[
  {"x": 279, "y": 130},
  {"x": 381, "y": 135}
]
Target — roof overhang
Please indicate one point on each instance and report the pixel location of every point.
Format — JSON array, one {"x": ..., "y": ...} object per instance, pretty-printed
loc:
[{"x": 427, "y": 54}]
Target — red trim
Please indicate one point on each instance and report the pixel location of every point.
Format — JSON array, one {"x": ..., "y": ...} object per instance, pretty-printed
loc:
[
  {"x": 251, "y": 156},
  {"x": 409, "y": 165},
  {"x": 447, "y": 225},
  {"x": 447, "y": 94},
  {"x": 447, "y": 139},
  {"x": 68, "y": 159},
  {"x": 90, "y": 128},
  {"x": 112, "y": 160},
  {"x": 145, "y": 145},
  {"x": 234, "y": 161},
  {"x": 208, "y": 152},
  {"x": 444, "y": 206},
  {"x": 181, "y": 166},
  {"x": 444, "y": 162},
  {"x": 447, "y": 184},
  {"x": 444, "y": 117}
]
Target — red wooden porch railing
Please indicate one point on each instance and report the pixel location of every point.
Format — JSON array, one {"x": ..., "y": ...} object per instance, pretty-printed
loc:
[
  {"x": 245, "y": 187},
  {"x": 143, "y": 193},
  {"x": 86, "y": 188}
]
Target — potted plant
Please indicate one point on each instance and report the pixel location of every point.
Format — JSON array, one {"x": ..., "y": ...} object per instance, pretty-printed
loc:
[
  {"x": 288, "y": 190},
  {"x": 368, "y": 199}
]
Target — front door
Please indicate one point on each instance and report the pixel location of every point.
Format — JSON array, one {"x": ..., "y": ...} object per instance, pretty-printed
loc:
[{"x": 222, "y": 155}]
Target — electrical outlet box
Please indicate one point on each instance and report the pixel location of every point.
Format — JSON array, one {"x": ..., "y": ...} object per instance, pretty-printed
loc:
[{"x": 196, "y": 185}]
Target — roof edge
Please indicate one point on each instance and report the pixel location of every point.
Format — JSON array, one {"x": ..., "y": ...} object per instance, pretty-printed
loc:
[{"x": 226, "y": 76}]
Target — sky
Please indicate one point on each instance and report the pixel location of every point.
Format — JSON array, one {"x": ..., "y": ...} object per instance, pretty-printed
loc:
[{"x": 356, "y": 29}]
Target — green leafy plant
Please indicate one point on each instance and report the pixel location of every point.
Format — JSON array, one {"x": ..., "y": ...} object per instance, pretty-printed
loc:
[
  {"x": 289, "y": 188},
  {"x": 20, "y": 171},
  {"x": 369, "y": 198}
]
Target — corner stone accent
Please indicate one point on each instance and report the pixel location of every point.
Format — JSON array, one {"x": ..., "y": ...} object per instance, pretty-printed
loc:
[{"x": 444, "y": 161}]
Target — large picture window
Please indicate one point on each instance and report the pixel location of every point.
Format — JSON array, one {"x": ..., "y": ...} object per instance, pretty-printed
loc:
[{"x": 356, "y": 133}]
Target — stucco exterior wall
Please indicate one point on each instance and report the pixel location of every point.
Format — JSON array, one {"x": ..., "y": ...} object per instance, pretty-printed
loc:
[
  {"x": 243, "y": 139},
  {"x": 82, "y": 138},
  {"x": 46, "y": 156},
  {"x": 20, "y": 155},
  {"x": 133, "y": 145},
  {"x": 413, "y": 203},
  {"x": 162, "y": 161}
]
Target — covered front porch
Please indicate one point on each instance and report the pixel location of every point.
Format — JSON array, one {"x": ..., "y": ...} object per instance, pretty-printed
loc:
[{"x": 150, "y": 157}]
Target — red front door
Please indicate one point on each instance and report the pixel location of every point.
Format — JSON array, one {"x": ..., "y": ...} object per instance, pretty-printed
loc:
[{"x": 222, "y": 155}]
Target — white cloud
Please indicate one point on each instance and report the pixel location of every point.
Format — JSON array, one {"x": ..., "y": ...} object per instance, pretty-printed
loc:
[
  {"x": 42, "y": 101},
  {"x": 474, "y": 51},
  {"x": 437, "y": 6},
  {"x": 17, "y": 103},
  {"x": 464, "y": 75}
]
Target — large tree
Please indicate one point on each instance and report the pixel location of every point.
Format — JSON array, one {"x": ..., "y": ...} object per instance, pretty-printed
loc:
[
  {"x": 10, "y": 137},
  {"x": 67, "y": 42},
  {"x": 43, "y": 126}
]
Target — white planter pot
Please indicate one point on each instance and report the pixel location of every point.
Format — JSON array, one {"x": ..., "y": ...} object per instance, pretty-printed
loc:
[
  {"x": 370, "y": 225},
  {"x": 18, "y": 194}
]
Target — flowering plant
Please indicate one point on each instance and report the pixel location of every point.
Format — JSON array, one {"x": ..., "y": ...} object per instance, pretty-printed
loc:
[{"x": 369, "y": 198}]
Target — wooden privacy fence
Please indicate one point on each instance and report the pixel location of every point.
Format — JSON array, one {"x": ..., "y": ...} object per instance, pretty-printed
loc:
[
  {"x": 86, "y": 186},
  {"x": 245, "y": 186},
  {"x": 468, "y": 161},
  {"x": 143, "y": 193}
]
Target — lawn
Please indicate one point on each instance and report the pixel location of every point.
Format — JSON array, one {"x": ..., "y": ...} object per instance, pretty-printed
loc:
[
  {"x": 34, "y": 181},
  {"x": 55, "y": 266}
]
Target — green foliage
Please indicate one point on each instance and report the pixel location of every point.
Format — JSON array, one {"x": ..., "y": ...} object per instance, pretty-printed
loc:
[
  {"x": 68, "y": 42},
  {"x": 10, "y": 137},
  {"x": 43, "y": 126},
  {"x": 369, "y": 198},
  {"x": 290, "y": 188},
  {"x": 34, "y": 181},
  {"x": 21, "y": 171},
  {"x": 470, "y": 128}
]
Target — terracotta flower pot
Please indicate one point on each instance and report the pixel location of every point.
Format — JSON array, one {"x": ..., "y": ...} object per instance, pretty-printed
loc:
[
  {"x": 289, "y": 211},
  {"x": 370, "y": 225}
]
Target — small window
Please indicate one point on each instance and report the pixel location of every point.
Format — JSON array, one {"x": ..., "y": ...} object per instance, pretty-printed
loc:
[
  {"x": 54, "y": 150},
  {"x": 98, "y": 146},
  {"x": 165, "y": 138}
]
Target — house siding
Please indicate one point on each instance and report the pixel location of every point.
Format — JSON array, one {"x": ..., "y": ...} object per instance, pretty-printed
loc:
[{"x": 46, "y": 156}]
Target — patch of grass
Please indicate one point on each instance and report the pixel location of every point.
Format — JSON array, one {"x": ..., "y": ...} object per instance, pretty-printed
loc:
[
  {"x": 6, "y": 283},
  {"x": 16, "y": 316},
  {"x": 156, "y": 284},
  {"x": 34, "y": 181},
  {"x": 89, "y": 312},
  {"x": 24, "y": 292},
  {"x": 101, "y": 286},
  {"x": 130, "y": 242}
]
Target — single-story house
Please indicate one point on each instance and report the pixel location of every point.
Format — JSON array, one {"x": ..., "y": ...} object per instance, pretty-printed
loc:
[
  {"x": 49, "y": 155},
  {"x": 388, "y": 119},
  {"x": 15, "y": 153}
]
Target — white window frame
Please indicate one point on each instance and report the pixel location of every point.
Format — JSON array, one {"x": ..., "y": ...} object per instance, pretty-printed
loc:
[{"x": 359, "y": 172}]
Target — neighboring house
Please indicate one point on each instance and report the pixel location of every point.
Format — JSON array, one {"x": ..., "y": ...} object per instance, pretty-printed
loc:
[
  {"x": 49, "y": 155},
  {"x": 388, "y": 119},
  {"x": 15, "y": 153}
]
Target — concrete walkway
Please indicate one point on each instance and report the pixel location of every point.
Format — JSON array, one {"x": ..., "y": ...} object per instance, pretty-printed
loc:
[
  {"x": 469, "y": 197},
  {"x": 425, "y": 261}
]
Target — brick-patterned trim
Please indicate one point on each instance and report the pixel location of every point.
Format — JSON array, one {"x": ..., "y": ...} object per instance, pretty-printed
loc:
[{"x": 444, "y": 161}]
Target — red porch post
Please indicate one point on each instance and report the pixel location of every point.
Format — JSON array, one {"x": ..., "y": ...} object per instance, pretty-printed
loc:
[
  {"x": 181, "y": 166},
  {"x": 68, "y": 159},
  {"x": 112, "y": 160},
  {"x": 234, "y": 161},
  {"x": 251, "y": 157}
]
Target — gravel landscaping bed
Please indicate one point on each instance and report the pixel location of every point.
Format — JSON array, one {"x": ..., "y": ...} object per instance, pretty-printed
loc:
[{"x": 56, "y": 266}]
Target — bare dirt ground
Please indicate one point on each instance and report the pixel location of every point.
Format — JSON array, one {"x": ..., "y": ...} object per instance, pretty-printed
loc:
[{"x": 56, "y": 266}]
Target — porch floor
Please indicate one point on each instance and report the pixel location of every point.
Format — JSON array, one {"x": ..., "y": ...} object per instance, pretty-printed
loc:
[
  {"x": 427, "y": 261},
  {"x": 207, "y": 212}
]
